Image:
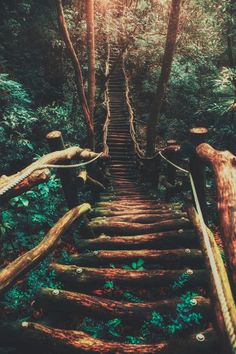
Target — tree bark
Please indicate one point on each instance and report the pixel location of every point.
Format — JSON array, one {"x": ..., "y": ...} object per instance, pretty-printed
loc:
[
  {"x": 162, "y": 240},
  {"x": 116, "y": 228},
  {"x": 91, "y": 55},
  {"x": 71, "y": 274},
  {"x": 51, "y": 158},
  {"x": 75, "y": 303},
  {"x": 164, "y": 76},
  {"x": 11, "y": 273},
  {"x": 44, "y": 339},
  {"x": 224, "y": 167},
  {"x": 171, "y": 259},
  {"x": 78, "y": 73}
]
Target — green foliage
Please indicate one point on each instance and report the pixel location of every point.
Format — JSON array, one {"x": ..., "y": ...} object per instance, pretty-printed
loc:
[
  {"x": 181, "y": 281},
  {"x": 19, "y": 297},
  {"x": 29, "y": 217},
  {"x": 135, "y": 265},
  {"x": 100, "y": 329}
]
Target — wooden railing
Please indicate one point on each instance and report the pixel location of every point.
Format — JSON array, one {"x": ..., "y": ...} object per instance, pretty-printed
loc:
[
  {"x": 38, "y": 172},
  {"x": 224, "y": 167}
]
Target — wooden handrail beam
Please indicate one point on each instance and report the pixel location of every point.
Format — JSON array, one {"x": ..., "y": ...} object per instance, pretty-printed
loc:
[
  {"x": 16, "y": 269},
  {"x": 224, "y": 167}
]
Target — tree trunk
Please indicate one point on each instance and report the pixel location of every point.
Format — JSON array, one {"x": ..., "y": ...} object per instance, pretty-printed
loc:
[
  {"x": 78, "y": 73},
  {"x": 91, "y": 55},
  {"x": 164, "y": 77}
]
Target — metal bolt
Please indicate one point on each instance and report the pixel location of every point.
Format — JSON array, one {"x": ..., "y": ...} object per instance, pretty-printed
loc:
[
  {"x": 200, "y": 337},
  {"x": 193, "y": 302},
  {"x": 183, "y": 218},
  {"x": 187, "y": 250},
  {"x": 25, "y": 324},
  {"x": 56, "y": 292},
  {"x": 189, "y": 271},
  {"x": 95, "y": 253},
  {"x": 180, "y": 231},
  {"x": 79, "y": 270}
]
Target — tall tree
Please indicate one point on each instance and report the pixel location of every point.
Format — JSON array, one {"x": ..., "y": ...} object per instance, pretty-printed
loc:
[
  {"x": 164, "y": 76},
  {"x": 78, "y": 73},
  {"x": 91, "y": 55}
]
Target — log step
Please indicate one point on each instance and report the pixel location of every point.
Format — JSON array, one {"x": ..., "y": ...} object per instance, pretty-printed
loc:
[
  {"x": 162, "y": 240},
  {"x": 37, "y": 338},
  {"x": 77, "y": 276},
  {"x": 116, "y": 228},
  {"x": 74, "y": 303},
  {"x": 162, "y": 258}
]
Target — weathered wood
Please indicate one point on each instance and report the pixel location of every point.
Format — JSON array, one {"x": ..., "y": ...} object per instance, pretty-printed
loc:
[
  {"x": 34, "y": 179},
  {"x": 224, "y": 167},
  {"x": 75, "y": 303},
  {"x": 115, "y": 227},
  {"x": 51, "y": 158},
  {"x": 141, "y": 218},
  {"x": 94, "y": 276},
  {"x": 162, "y": 240},
  {"x": 219, "y": 319},
  {"x": 162, "y": 258},
  {"x": 17, "y": 268},
  {"x": 67, "y": 176},
  {"x": 44, "y": 339},
  {"x": 197, "y": 167}
]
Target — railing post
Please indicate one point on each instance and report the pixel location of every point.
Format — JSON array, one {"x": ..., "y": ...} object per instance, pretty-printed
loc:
[
  {"x": 197, "y": 167},
  {"x": 171, "y": 170},
  {"x": 67, "y": 176}
]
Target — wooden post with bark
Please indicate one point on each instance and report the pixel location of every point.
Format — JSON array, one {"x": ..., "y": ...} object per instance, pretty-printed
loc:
[
  {"x": 197, "y": 167},
  {"x": 67, "y": 176},
  {"x": 224, "y": 167}
]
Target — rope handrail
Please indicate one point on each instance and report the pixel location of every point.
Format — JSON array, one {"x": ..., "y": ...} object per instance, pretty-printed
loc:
[
  {"x": 106, "y": 103},
  {"x": 139, "y": 152},
  {"x": 225, "y": 309},
  {"x": 27, "y": 173}
]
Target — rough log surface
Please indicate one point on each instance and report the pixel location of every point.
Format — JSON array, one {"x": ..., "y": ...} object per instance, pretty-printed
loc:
[
  {"x": 28, "y": 260},
  {"x": 84, "y": 275},
  {"x": 59, "y": 341},
  {"x": 224, "y": 167},
  {"x": 74, "y": 302}
]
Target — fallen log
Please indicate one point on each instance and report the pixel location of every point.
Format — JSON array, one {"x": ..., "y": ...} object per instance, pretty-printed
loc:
[
  {"x": 44, "y": 339},
  {"x": 162, "y": 258},
  {"x": 224, "y": 167},
  {"x": 116, "y": 228},
  {"x": 162, "y": 240},
  {"x": 75, "y": 303},
  {"x": 11, "y": 273},
  {"x": 76, "y": 276}
]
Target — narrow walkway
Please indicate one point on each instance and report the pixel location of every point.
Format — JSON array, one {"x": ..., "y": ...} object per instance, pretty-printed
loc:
[{"x": 144, "y": 252}]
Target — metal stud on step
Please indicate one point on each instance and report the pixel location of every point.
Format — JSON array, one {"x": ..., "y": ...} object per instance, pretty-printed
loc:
[
  {"x": 187, "y": 250},
  {"x": 56, "y": 292},
  {"x": 180, "y": 231},
  {"x": 25, "y": 324},
  {"x": 200, "y": 337},
  {"x": 79, "y": 270},
  {"x": 193, "y": 302},
  {"x": 189, "y": 271},
  {"x": 95, "y": 253}
]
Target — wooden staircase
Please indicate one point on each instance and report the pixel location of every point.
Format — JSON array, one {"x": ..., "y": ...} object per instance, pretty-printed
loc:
[{"x": 128, "y": 225}]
